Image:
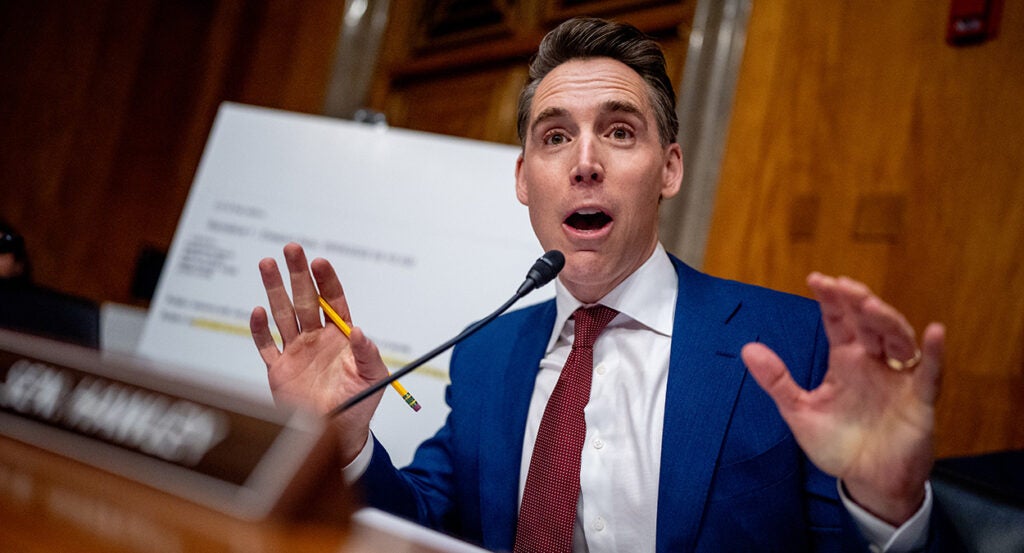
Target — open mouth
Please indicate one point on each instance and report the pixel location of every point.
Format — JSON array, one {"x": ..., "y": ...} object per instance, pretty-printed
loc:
[{"x": 588, "y": 219}]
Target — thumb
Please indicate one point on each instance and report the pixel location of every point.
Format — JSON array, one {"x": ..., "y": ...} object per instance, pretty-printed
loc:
[
  {"x": 772, "y": 375},
  {"x": 928, "y": 376},
  {"x": 369, "y": 363}
]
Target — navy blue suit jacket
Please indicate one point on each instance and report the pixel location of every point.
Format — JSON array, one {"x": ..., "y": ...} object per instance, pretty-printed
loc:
[{"x": 732, "y": 476}]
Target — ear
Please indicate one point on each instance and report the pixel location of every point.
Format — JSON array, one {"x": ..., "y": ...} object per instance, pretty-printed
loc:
[
  {"x": 672, "y": 173},
  {"x": 521, "y": 193}
]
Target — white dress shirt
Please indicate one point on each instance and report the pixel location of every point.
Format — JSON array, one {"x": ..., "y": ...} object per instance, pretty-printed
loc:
[{"x": 625, "y": 416}]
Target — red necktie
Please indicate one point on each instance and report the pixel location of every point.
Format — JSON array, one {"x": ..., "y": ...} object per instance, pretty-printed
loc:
[{"x": 548, "y": 511}]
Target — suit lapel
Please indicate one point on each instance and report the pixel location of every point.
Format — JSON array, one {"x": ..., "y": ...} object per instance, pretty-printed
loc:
[
  {"x": 704, "y": 379},
  {"x": 501, "y": 452}
]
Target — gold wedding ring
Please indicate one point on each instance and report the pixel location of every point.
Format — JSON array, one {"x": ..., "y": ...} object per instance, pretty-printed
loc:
[{"x": 897, "y": 365}]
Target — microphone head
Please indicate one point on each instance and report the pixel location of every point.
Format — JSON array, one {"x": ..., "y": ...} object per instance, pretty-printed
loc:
[
  {"x": 544, "y": 269},
  {"x": 548, "y": 266}
]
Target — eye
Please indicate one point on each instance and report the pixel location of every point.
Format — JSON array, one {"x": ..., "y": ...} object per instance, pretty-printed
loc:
[
  {"x": 555, "y": 138},
  {"x": 621, "y": 133}
]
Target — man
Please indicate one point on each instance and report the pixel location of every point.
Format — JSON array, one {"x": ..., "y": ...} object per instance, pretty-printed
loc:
[{"x": 677, "y": 448}]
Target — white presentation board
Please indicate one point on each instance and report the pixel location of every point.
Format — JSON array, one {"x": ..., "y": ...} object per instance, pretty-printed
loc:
[{"x": 424, "y": 231}]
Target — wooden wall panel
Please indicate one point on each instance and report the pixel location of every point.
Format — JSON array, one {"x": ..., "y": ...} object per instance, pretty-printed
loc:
[
  {"x": 466, "y": 81},
  {"x": 479, "y": 104},
  {"x": 105, "y": 108},
  {"x": 862, "y": 144}
]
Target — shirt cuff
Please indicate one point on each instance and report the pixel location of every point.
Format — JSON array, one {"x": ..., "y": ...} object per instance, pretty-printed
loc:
[
  {"x": 883, "y": 537},
  {"x": 355, "y": 470}
]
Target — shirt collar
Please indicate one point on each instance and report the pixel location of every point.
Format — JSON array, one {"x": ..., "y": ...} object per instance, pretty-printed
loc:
[{"x": 648, "y": 296}]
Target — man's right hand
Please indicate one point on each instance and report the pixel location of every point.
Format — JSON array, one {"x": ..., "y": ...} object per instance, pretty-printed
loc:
[{"x": 318, "y": 367}]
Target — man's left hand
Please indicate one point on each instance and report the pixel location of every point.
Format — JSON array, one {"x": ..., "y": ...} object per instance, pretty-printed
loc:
[{"x": 871, "y": 421}]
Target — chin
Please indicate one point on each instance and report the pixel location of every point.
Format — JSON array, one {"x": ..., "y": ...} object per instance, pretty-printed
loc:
[
  {"x": 582, "y": 260},
  {"x": 585, "y": 270}
]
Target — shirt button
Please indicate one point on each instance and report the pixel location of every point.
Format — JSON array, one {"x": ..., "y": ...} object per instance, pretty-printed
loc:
[
  {"x": 598, "y": 443},
  {"x": 599, "y": 524},
  {"x": 599, "y": 369}
]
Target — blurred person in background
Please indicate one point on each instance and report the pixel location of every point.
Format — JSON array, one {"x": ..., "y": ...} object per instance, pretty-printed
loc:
[{"x": 14, "y": 265}]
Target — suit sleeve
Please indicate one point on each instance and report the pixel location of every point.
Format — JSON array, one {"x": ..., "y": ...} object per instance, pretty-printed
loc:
[{"x": 421, "y": 492}]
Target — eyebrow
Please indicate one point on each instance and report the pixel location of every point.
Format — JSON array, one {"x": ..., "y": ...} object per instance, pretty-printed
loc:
[
  {"x": 608, "y": 106},
  {"x": 548, "y": 113},
  {"x": 626, "y": 107}
]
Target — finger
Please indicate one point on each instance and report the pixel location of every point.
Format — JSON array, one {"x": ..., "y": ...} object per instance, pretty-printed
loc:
[
  {"x": 260, "y": 328},
  {"x": 772, "y": 375},
  {"x": 304, "y": 294},
  {"x": 880, "y": 328},
  {"x": 928, "y": 375},
  {"x": 853, "y": 295},
  {"x": 890, "y": 327},
  {"x": 280, "y": 304},
  {"x": 833, "y": 310},
  {"x": 330, "y": 287}
]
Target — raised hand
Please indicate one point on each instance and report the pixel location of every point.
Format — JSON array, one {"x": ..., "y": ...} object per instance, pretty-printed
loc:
[
  {"x": 318, "y": 366},
  {"x": 871, "y": 421}
]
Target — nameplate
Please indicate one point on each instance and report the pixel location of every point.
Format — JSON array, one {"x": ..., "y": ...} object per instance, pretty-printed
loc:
[{"x": 231, "y": 454}]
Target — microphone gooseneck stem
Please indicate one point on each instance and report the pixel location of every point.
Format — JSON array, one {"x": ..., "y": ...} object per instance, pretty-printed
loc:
[
  {"x": 543, "y": 270},
  {"x": 381, "y": 384}
]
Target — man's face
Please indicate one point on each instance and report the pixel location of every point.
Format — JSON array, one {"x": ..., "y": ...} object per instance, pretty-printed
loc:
[{"x": 592, "y": 172}]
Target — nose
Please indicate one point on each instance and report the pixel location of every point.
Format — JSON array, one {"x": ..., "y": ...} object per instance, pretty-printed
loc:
[{"x": 588, "y": 169}]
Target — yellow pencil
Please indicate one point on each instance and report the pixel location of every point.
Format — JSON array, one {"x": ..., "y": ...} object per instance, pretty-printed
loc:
[{"x": 343, "y": 326}]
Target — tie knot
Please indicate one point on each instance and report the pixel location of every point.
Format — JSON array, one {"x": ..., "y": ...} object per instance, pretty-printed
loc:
[{"x": 590, "y": 321}]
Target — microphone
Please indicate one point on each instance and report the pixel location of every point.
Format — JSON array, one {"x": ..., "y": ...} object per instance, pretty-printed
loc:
[{"x": 543, "y": 271}]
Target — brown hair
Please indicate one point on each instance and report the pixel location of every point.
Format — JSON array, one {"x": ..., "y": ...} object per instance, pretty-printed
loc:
[{"x": 588, "y": 37}]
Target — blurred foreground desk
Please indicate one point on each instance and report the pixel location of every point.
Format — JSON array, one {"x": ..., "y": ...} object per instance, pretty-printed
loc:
[
  {"x": 99, "y": 455},
  {"x": 50, "y": 503}
]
